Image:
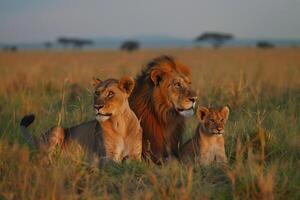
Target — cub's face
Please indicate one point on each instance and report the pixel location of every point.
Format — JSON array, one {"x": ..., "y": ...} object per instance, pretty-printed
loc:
[
  {"x": 213, "y": 121},
  {"x": 111, "y": 96},
  {"x": 176, "y": 89}
]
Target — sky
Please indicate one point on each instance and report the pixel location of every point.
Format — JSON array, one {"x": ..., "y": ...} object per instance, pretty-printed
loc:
[{"x": 45, "y": 20}]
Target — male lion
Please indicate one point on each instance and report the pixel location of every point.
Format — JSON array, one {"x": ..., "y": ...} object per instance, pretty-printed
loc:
[
  {"x": 161, "y": 99},
  {"x": 207, "y": 145},
  {"x": 115, "y": 134}
]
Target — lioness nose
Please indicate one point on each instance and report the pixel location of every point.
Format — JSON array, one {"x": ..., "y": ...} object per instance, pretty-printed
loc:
[
  {"x": 219, "y": 128},
  {"x": 193, "y": 99}
]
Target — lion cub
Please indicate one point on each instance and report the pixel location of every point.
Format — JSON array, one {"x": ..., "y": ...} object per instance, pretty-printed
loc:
[
  {"x": 115, "y": 134},
  {"x": 207, "y": 145}
]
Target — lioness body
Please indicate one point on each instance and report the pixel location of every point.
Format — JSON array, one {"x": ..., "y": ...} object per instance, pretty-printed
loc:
[
  {"x": 115, "y": 134},
  {"x": 207, "y": 145},
  {"x": 123, "y": 138},
  {"x": 161, "y": 100}
]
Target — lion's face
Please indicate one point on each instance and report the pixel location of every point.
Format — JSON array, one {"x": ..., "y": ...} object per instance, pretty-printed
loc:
[
  {"x": 213, "y": 121},
  {"x": 176, "y": 89},
  {"x": 181, "y": 94},
  {"x": 111, "y": 96}
]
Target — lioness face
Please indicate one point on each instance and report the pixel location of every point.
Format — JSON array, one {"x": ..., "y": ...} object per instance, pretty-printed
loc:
[
  {"x": 111, "y": 96},
  {"x": 213, "y": 121},
  {"x": 176, "y": 89}
]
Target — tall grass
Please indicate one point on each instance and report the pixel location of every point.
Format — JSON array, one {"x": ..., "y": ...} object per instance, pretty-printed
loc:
[{"x": 262, "y": 137}]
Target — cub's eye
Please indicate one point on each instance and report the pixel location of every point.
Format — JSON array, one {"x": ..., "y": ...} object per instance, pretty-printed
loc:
[
  {"x": 212, "y": 120},
  {"x": 110, "y": 94},
  {"x": 222, "y": 120},
  {"x": 177, "y": 85},
  {"x": 97, "y": 93}
]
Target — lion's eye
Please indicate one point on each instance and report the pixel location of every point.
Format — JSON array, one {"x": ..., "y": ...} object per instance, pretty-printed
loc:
[
  {"x": 110, "y": 94},
  {"x": 97, "y": 93},
  {"x": 212, "y": 120},
  {"x": 222, "y": 120},
  {"x": 177, "y": 85}
]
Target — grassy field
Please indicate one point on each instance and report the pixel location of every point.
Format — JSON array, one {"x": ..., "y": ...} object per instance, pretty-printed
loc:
[{"x": 262, "y": 88}]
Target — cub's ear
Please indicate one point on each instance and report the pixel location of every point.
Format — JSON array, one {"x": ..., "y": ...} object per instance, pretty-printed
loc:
[
  {"x": 127, "y": 84},
  {"x": 156, "y": 76},
  {"x": 96, "y": 81},
  {"x": 201, "y": 113},
  {"x": 225, "y": 112}
]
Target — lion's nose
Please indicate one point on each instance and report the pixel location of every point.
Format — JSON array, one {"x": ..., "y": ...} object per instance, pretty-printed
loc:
[
  {"x": 98, "y": 107},
  {"x": 193, "y": 99},
  {"x": 219, "y": 128}
]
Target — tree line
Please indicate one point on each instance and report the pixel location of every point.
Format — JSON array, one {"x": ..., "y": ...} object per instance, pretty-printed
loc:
[{"x": 215, "y": 39}]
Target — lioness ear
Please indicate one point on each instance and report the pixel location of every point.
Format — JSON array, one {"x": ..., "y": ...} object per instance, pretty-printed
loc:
[
  {"x": 225, "y": 112},
  {"x": 127, "y": 84},
  {"x": 156, "y": 76},
  {"x": 201, "y": 113},
  {"x": 96, "y": 81}
]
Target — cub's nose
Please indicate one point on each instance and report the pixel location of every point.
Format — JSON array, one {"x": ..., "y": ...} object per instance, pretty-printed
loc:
[
  {"x": 98, "y": 107},
  {"x": 219, "y": 129},
  {"x": 193, "y": 99}
]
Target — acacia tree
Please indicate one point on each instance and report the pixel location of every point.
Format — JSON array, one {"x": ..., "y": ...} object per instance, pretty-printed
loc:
[
  {"x": 74, "y": 42},
  {"x": 215, "y": 38},
  {"x": 264, "y": 44},
  {"x": 130, "y": 45}
]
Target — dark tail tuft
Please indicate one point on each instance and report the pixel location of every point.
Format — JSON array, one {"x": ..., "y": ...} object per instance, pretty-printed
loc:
[{"x": 27, "y": 120}]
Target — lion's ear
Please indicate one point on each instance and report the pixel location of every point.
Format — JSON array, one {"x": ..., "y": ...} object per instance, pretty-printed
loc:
[
  {"x": 201, "y": 113},
  {"x": 127, "y": 84},
  {"x": 156, "y": 76},
  {"x": 225, "y": 112},
  {"x": 96, "y": 81}
]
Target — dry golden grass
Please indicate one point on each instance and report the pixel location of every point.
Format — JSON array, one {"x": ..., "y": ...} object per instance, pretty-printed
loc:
[{"x": 262, "y": 87}]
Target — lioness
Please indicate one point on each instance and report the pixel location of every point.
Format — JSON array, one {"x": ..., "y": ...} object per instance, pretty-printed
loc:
[
  {"x": 115, "y": 134},
  {"x": 207, "y": 145},
  {"x": 162, "y": 98}
]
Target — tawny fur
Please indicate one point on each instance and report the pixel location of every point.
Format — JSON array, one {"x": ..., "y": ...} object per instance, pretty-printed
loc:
[
  {"x": 122, "y": 137},
  {"x": 207, "y": 145},
  {"x": 162, "y": 90},
  {"x": 115, "y": 135}
]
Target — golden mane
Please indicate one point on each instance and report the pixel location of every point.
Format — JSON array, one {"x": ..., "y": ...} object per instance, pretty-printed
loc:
[{"x": 162, "y": 125}]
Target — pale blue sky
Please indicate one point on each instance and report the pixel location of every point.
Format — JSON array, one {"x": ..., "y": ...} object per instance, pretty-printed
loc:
[{"x": 41, "y": 20}]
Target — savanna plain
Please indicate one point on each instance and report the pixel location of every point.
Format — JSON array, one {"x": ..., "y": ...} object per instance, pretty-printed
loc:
[{"x": 262, "y": 136}]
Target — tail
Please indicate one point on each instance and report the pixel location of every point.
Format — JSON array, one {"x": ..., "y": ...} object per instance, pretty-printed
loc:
[{"x": 25, "y": 122}]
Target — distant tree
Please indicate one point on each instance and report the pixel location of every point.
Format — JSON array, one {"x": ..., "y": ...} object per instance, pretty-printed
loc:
[
  {"x": 14, "y": 48},
  {"x": 79, "y": 44},
  {"x": 10, "y": 48},
  {"x": 264, "y": 45},
  {"x": 65, "y": 42},
  {"x": 130, "y": 45},
  {"x": 215, "y": 38},
  {"x": 48, "y": 45},
  {"x": 74, "y": 42}
]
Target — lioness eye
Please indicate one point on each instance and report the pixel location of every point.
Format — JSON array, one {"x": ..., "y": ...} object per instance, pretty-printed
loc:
[
  {"x": 97, "y": 93},
  {"x": 177, "y": 85},
  {"x": 110, "y": 94}
]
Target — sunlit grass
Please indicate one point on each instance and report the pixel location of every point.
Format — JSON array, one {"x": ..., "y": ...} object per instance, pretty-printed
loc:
[{"x": 262, "y": 137}]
